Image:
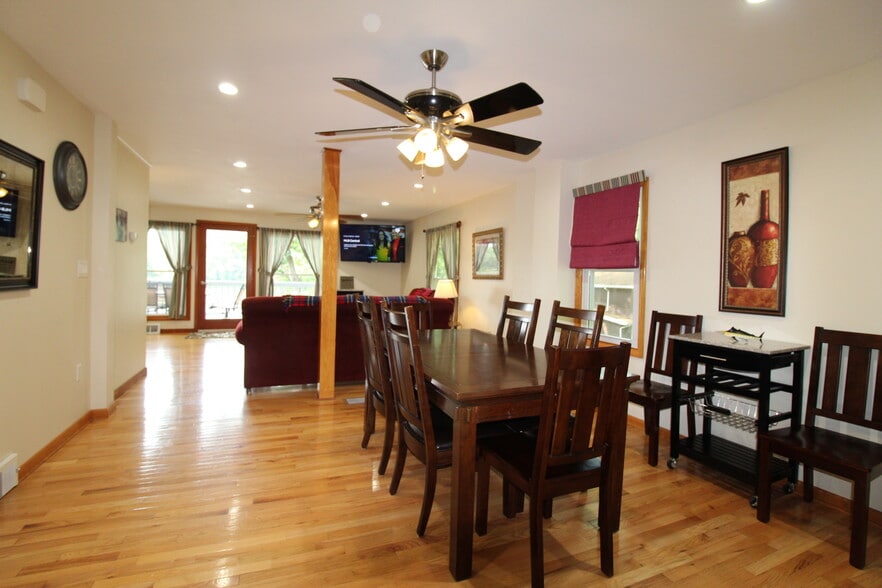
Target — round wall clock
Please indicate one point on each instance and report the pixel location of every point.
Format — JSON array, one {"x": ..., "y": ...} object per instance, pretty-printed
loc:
[{"x": 69, "y": 175}]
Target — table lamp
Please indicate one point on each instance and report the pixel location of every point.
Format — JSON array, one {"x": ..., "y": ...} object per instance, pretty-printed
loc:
[{"x": 447, "y": 289}]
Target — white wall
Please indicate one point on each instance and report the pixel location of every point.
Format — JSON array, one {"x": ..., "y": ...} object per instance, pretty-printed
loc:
[
  {"x": 833, "y": 128},
  {"x": 47, "y": 331}
]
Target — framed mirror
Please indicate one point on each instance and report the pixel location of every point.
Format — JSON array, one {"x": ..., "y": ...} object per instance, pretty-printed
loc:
[
  {"x": 487, "y": 258},
  {"x": 21, "y": 199}
]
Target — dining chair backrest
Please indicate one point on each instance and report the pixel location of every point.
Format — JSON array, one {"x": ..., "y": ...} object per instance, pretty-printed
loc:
[
  {"x": 408, "y": 379},
  {"x": 422, "y": 312},
  {"x": 584, "y": 411},
  {"x": 574, "y": 328},
  {"x": 659, "y": 351},
  {"x": 518, "y": 320},
  {"x": 843, "y": 385},
  {"x": 371, "y": 329}
]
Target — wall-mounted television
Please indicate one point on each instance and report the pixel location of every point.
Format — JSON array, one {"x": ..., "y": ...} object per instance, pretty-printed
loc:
[
  {"x": 372, "y": 243},
  {"x": 8, "y": 214}
]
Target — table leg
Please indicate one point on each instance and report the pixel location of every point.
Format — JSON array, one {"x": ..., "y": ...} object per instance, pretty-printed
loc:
[{"x": 462, "y": 495}]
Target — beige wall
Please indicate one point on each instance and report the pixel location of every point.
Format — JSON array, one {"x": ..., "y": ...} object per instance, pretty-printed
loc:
[
  {"x": 833, "y": 127},
  {"x": 48, "y": 331}
]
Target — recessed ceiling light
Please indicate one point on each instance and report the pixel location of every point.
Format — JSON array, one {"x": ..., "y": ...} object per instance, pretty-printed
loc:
[
  {"x": 245, "y": 190},
  {"x": 228, "y": 88},
  {"x": 371, "y": 22},
  {"x": 249, "y": 206},
  {"x": 240, "y": 164},
  {"x": 384, "y": 203},
  {"x": 755, "y": 1}
]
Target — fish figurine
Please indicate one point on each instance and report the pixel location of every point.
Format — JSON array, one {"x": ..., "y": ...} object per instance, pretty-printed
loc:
[{"x": 738, "y": 334}]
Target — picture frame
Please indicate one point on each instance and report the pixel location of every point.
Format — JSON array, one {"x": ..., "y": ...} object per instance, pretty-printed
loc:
[
  {"x": 122, "y": 225},
  {"x": 21, "y": 204},
  {"x": 487, "y": 255},
  {"x": 753, "y": 239}
]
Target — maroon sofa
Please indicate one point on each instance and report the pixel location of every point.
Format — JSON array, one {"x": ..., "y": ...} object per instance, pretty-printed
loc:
[{"x": 281, "y": 339}]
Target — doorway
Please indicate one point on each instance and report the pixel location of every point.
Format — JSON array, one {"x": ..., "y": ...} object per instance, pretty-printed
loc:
[{"x": 226, "y": 255}]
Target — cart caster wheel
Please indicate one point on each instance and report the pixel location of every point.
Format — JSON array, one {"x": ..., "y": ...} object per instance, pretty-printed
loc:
[
  {"x": 672, "y": 463},
  {"x": 754, "y": 500},
  {"x": 789, "y": 487}
]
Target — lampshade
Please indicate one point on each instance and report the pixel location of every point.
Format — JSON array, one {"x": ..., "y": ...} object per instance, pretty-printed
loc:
[
  {"x": 435, "y": 158},
  {"x": 3, "y": 192},
  {"x": 456, "y": 148},
  {"x": 446, "y": 289},
  {"x": 426, "y": 140},
  {"x": 408, "y": 149}
]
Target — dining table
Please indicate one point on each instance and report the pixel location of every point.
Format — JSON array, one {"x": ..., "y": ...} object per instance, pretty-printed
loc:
[{"x": 476, "y": 377}]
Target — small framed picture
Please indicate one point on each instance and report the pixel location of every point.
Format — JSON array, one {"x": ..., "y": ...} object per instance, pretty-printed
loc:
[
  {"x": 487, "y": 258},
  {"x": 122, "y": 225}
]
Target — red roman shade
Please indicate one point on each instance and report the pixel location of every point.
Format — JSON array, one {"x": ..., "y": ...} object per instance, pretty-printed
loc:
[{"x": 605, "y": 229}]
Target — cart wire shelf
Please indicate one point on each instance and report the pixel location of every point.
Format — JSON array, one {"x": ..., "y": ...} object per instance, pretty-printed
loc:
[{"x": 734, "y": 412}]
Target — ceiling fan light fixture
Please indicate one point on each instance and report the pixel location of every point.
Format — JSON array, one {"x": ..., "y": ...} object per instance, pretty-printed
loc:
[
  {"x": 435, "y": 158},
  {"x": 456, "y": 148},
  {"x": 426, "y": 140},
  {"x": 408, "y": 149}
]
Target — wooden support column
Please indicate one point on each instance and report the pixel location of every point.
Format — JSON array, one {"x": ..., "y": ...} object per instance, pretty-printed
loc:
[{"x": 330, "y": 256}]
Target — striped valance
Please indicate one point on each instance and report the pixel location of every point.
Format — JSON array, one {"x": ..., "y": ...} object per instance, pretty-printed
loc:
[{"x": 631, "y": 178}]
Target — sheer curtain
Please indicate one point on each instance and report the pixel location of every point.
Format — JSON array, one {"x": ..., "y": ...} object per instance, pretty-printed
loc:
[
  {"x": 175, "y": 239},
  {"x": 274, "y": 245},
  {"x": 443, "y": 241},
  {"x": 311, "y": 245}
]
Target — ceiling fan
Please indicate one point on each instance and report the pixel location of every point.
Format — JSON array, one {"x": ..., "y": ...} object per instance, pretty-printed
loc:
[
  {"x": 316, "y": 211},
  {"x": 440, "y": 118}
]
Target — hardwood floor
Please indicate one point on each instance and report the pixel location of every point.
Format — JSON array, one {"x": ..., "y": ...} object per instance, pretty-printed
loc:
[{"x": 192, "y": 483}]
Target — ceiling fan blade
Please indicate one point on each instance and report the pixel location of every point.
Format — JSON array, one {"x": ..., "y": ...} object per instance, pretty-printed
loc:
[
  {"x": 504, "y": 141},
  {"x": 391, "y": 129},
  {"x": 505, "y": 101},
  {"x": 380, "y": 96}
]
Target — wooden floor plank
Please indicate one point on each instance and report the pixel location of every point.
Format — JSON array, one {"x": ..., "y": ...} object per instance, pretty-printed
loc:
[{"x": 191, "y": 482}]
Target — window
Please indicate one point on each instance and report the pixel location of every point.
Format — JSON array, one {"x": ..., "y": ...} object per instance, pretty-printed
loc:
[
  {"x": 617, "y": 290},
  {"x": 442, "y": 254},
  {"x": 608, "y": 250},
  {"x": 294, "y": 275},
  {"x": 168, "y": 270},
  {"x": 159, "y": 276}
]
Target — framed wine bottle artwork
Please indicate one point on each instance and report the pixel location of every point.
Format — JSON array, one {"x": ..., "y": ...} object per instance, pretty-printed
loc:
[{"x": 753, "y": 244}]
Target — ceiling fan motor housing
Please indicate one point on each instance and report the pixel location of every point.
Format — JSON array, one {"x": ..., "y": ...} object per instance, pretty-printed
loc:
[{"x": 432, "y": 101}]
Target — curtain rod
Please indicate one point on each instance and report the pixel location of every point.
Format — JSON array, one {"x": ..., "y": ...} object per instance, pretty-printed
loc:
[{"x": 457, "y": 223}]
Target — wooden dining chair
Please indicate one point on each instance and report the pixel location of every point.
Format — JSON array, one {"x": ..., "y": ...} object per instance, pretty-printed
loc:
[
  {"x": 569, "y": 328},
  {"x": 423, "y": 431},
  {"x": 845, "y": 388},
  {"x": 378, "y": 396},
  {"x": 518, "y": 320},
  {"x": 574, "y": 328},
  {"x": 648, "y": 392},
  {"x": 580, "y": 445},
  {"x": 422, "y": 312}
]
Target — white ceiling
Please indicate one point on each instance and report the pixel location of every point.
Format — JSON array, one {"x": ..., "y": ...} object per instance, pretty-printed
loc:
[{"x": 611, "y": 72}]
